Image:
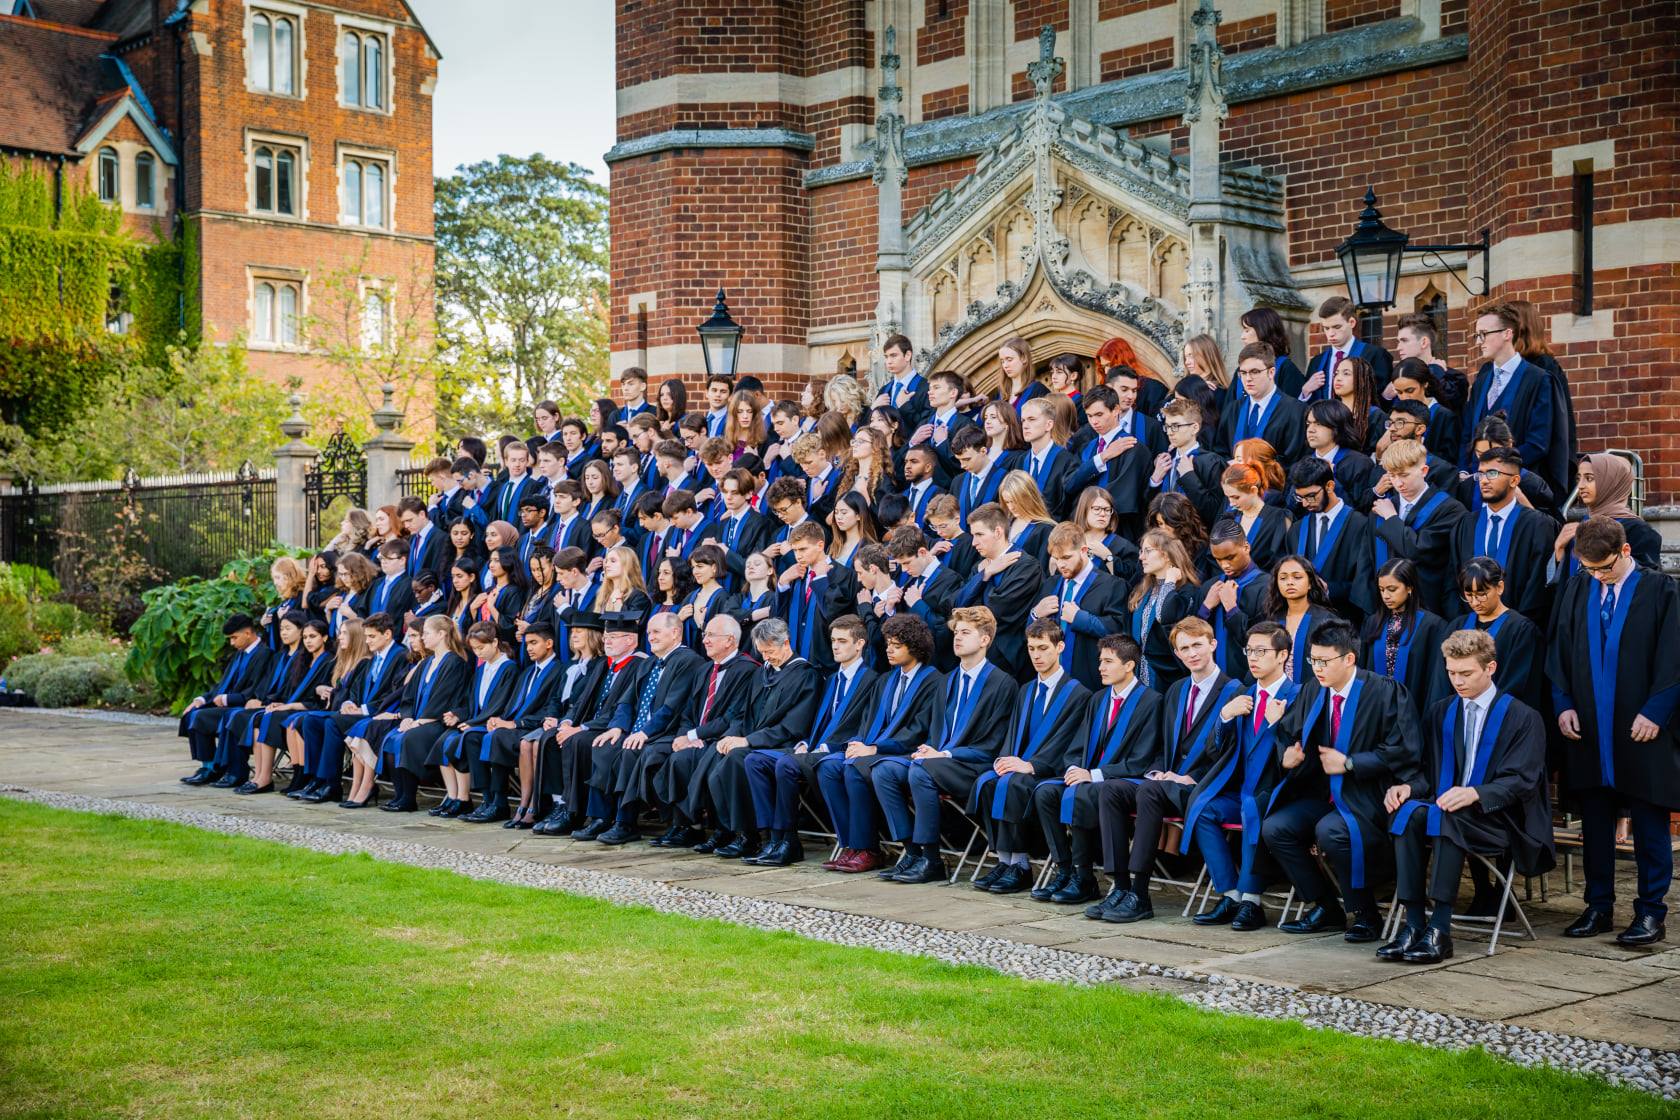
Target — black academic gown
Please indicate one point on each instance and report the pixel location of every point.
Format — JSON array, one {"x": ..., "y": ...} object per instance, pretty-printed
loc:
[
  {"x": 1230, "y": 627},
  {"x": 978, "y": 741},
  {"x": 1382, "y": 744},
  {"x": 1190, "y": 750},
  {"x": 895, "y": 731},
  {"x": 1201, "y": 484},
  {"x": 633, "y": 771},
  {"x": 1639, "y": 675},
  {"x": 1417, "y": 655},
  {"x": 1125, "y": 477},
  {"x": 1343, "y": 557},
  {"x": 832, "y": 595},
  {"x": 1009, "y": 595},
  {"x": 1426, "y": 538},
  {"x": 1268, "y": 536},
  {"x": 1525, "y": 547},
  {"x": 1044, "y": 733},
  {"x": 1520, "y": 649},
  {"x": 1127, "y": 751},
  {"x": 532, "y": 700},
  {"x": 424, "y": 745},
  {"x": 1283, "y": 426},
  {"x": 1512, "y": 813},
  {"x": 1102, "y": 611}
]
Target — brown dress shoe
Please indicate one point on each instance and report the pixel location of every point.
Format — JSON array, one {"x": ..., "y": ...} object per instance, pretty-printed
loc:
[
  {"x": 841, "y": 857},
  {"x": 862, "y": 861}
]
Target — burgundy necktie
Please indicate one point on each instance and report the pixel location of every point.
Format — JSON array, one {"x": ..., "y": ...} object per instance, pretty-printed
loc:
[
  {"x": 1335, "y": 719},
  {"x": 810, "y": 578},
  {"x": 1113, "y": 713},
  {"x": 1190, "y": 708},
  {"x": 711, "y": 693}
]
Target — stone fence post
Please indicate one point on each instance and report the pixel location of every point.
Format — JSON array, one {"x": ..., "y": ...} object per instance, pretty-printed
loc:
[
  {"x": 291, "y": 462},
  {"x": 387, "y": 453}
]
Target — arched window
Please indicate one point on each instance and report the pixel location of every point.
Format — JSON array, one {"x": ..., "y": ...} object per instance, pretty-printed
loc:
[
  {"x": 110, "y": 176},
  {"x": 262, "y": 52},
  {"x": 353, "y": 192},
  {"x": 1432, "y": 303},
  {"x": 288, "y": 315},
  {"x": 265, "y": 178},
  {"x": 283, "y": 56},
  {"x": 262, "y": 313},
  {"x": 373, "y": 72},
  {"x": 375, "y": 321},
  {"x": 350, "y": 61},
  {"x": 373, "y": 187},
  {"x": 145, "y": 181}
]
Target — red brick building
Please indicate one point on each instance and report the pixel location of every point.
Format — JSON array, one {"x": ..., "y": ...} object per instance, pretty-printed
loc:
[
  {"x": 748, "y": 157},
  {"x": 295, "y": 137}
]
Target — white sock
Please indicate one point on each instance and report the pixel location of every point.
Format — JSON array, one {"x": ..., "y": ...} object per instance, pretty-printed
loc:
[
  {"x": 1020, "y": 859},
  {"x": 1249, "y": 896},
  {"x": 1232, "y": 895}
]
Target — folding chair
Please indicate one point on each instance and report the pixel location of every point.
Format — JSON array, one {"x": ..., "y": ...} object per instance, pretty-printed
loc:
[
  {"x": 1494, "y": 923},
  {"x": 1204, "y": 886}
]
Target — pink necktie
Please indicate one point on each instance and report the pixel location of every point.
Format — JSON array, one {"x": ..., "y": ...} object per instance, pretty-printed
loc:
[
  {"x": 1260, "y": 712},
  {"x": 1335, "y": 719}
]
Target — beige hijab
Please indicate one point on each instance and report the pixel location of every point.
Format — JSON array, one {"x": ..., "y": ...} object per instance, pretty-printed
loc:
[{"x": 1612, "y": 484}]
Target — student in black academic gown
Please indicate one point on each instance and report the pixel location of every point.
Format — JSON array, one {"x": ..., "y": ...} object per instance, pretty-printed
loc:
[
  {"x": 1266, "y": 526},
  {"x": 452, "y": 743},
  {"x": 584, "y": 810},
  {"x": 500, "y": 755},
  {"x": 1416, "y": 521},
  {"x": 202, "y": 720},
  {"x": 1345, "y": 741},
  {"x": 1049, "y": 463},
  {"x": 1396, "y": 640},
  {"x": 1410, "y": 420},
  {"x": 1331, "y": 440},
  {"x": 1004, "y": 582},
  {"x": 814, "y": 592},
  {"x": 1521, "y": 644},
  {"x": 1615, "y": 682},
  {"x": 1482, "y": 789},
  {"x": 1265, "y": 326},
  {"x": 1335, "y": 537},
  {"x": 1263, "y": 410},
  {"x": 233, "y": 739},
  {"x": 1162, "y": 596},
  {"x": 310, "y": 670},
  {"x": 1233, "y": 600},
  {"x": 1049, "y": 714},
  {"x": 1518, "y": 537},
  {"x": 898, "y": 718},
  {"x": 391, "y": 592},
  {"x": 1121, "y": 454},
  {"x": 930, "y": 586},
  {"x": 1241, "y": 776},
  {"x": 1338, "y": 319},
  {"x": 1118, "y": 740},
  {"x": 970, "y": 725},
  {"x": 1606, "y": 486},
  {"x": 438, "y": 685},
  {"x": 1085, "y": 601},
  {"x": 1415, "y": 381},
  {"x": 1186, "y": 467},
  {"x": 1189, "y": 715},
  {"x": 740, "y": 530},
  {"x": 1521, "y": 390}
]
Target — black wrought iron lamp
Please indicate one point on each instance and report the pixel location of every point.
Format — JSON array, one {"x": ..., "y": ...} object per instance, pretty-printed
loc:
[
  {"x": 720, "y": 340},
  {"x": 1371, "y": 259}
]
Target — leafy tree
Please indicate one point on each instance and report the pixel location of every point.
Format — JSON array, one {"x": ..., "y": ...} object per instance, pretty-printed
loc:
[{"x": 522, "y": 289}]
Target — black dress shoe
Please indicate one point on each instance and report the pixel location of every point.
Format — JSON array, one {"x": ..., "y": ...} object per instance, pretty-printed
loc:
[
  {"x": 298, "y": 784},
  {"x": 592, "y": 829},
  {"x": 903, "y": 864},
  {"x": 323, "y": 792},
  {"x": 1109, "y": 902},
  {"x": 1645, "y": 930},
  {"x": 252, "y": 787},
  {"x": 1401, "y": 945},
  {"x": 227, "y": 781},
  {"x": 1432, "y": 946},
  {"x": 523, "y": 819},
  {"x": 687, "y": 837},
  {"x": 296, "y": 791},
  {"x": 1317, "y": 920},
  {"x": 1221, "y": 915},
  {"x": 1081, "y": 887},
  {"x": 491, "y": 811},
  {"x": 1591, "y": 923},
  {"x": 1364, "y": 928},
  {"x": 1063, "y": 876},
  {"x": 984, "y": 883},
  {"x": 1131, "y": 908},
  {"x": 620, "y": 833},
  {"x": 441, "y": 809},
  {"x": 746, "y": 847},
  {"x": 1250, "y": 917},
  {"x": 769, "y": 852},
  {"x": 663, "y": 840},
  {"x": 1014, "y": 881},
  {"x": 561, "y": 822},
  {"x": 783, "y": 853},
  {"x": 461, "y": 808},
  {"x": 204, "y": 775},
  {"x": 925, "y": 869},
  {"x": 722, "y": 838}
]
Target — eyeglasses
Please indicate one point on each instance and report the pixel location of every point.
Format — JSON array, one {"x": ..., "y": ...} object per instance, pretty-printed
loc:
[
  {"x": 1179, "y": 426},
  {"x": 1481, "y": 336},
  {"x": 1252, "y": 652},
  {"x": 1395, "y": 423},
  {"x": 1325, "y": 662},
  {"x": 1597, "y": 568},
  {"x": 1479, "y": 593},
  {"x": 1102, "y": 509},
  {"x": 1494, "y": 474}
]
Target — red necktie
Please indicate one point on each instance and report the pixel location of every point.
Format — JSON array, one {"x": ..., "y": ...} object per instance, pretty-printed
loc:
[
  {"x": 1190, "y": 708},
  {"x": 810, "y": 577},
  {"x": 1260, "y": 712},
  {"x": 711, "y": 694},
  {"x": 755, "y": 501},
  {"x": 1113, "y": 713},
  {"x": 1335, "y": 719},
  {"x": 1331, "y": 375}
]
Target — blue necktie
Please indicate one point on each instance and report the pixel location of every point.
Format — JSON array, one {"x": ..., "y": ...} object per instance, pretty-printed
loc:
[
  {"x": 1606, "y": 614},
  {"x": 644, "y": 702},
  {"x": 1493, "y": 536},
  {"x": 1253, "y": 419}
]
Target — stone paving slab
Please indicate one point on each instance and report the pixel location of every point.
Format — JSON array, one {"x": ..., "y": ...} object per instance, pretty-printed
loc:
[{"x": 1594, "y": 988}]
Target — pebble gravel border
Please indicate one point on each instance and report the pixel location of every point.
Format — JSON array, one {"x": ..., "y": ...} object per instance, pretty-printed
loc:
[{"x": 1653, "y": 1071}]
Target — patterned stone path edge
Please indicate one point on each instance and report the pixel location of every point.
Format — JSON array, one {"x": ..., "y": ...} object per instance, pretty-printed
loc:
[{"x": 1653, "y": 1071}]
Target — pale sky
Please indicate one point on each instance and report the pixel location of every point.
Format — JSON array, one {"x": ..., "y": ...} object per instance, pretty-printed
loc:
[{"x": 522, "y": 76}]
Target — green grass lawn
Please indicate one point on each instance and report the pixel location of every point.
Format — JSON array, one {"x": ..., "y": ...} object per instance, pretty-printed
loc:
[{"x": 156, "y": 970}]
